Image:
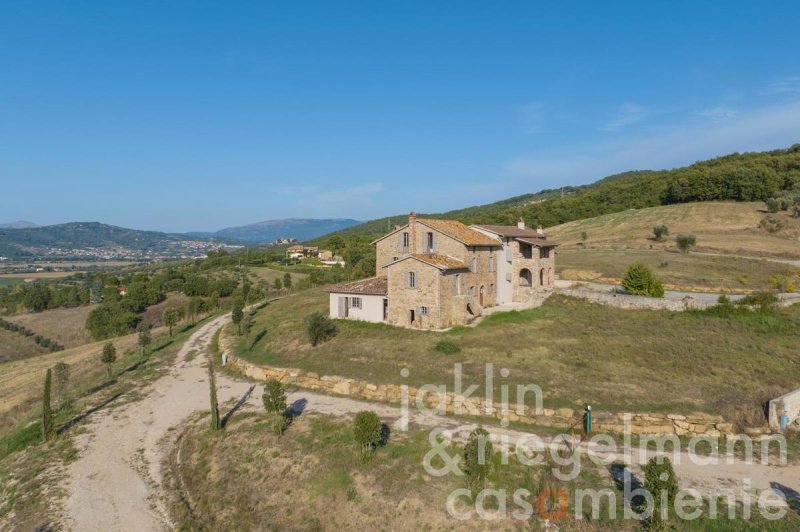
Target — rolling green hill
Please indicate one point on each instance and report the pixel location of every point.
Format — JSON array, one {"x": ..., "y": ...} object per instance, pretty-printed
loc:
[{"x": 739, "y": 177}]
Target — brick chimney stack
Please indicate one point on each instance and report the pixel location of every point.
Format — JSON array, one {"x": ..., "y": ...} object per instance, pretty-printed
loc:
[
  {"x": 521, "y": 223},
  {"x": 412, "y": 232}
]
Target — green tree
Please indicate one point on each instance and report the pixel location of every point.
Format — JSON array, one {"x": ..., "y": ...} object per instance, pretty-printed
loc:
[
  {"x": 287, "y": 281},
  {"x": 277, "y": 284},
  {"x": 660, "y": 231},
  {"x": 108, "y": 357},
  {"x": 319, "y": 328},
  {"x": 145, "y": 338},
  {"x": 37, "y": 297},
  {"x": 685, "y": 242},
  {"x": 47, "y": 412},
  {"x": 237, "y": 315},
  {"x": 336, "y": 244},
  {"x": 170, "y": 318},
  {"x": 212, "y": 384},
  {"x": 478, "y": 456},
  {"x": 661, "y": 483},
  {"x": 367, "y": 430},
  {"x": 274, "y": 400},
  {"x": 61, "y": 379},
  {"x": 639, "y": 280},
  {"x": 773, "y": 205}
]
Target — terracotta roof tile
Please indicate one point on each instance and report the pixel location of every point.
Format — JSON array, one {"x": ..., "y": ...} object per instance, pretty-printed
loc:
[
  {"x": 443, "y": 262},
  {"x": 511, "y": 231},
  {"x": 538, "y": 242},
  {"x": 460, "y": 232},
  {"x": 377, "y": 286}
]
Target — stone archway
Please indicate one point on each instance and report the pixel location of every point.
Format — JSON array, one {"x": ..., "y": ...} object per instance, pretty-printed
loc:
[
  {"x": 541, "y": 277},
  {"x": 525, "y": 277}
]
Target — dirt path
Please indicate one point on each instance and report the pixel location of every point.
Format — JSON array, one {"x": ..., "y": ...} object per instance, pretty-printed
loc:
[{"x": 116, "y": 483}]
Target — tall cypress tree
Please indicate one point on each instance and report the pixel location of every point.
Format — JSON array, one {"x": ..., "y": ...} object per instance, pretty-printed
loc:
[
  {"x": 47, "y": 412},
  {"x": 212, "y": 382}
]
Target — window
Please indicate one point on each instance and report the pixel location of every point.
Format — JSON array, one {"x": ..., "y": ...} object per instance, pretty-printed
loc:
[
  {"x": 544, "y": 253},
  {"x": 457, "y": 284},
  {"x": 509, "y": 254},
  {"x": 406, "y": 241},
  {"x": 492, "y": 262},
  {"x": 430, "y": 242},
  {"x": 423, "y": 311},
  {"x": 411, "y": 280},
  {"x": 394, "y": 259},
  {"x": 473, "y": 265},
  {"x": 355, "y": 302}
]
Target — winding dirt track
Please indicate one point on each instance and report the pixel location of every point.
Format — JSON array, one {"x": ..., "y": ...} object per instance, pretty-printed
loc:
[{"x": 116, "y": 483}]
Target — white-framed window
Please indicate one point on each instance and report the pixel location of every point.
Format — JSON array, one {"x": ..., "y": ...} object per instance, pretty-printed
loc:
[
  {"x": 355, "y": 302},
  {"x": 423, "y": 311},
  {"x": 411, "y": 280}
]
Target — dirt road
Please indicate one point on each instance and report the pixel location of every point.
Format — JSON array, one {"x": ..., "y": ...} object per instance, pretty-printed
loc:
[{"x": 116, "y": 483}]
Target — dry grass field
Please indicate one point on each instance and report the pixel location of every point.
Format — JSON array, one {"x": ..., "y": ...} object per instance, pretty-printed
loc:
[
  {"x": 678, "y": 271},
  {"x": 577, "y": 352},
  {"x": 721, "y": 227},
  {"x": 269, "y": 275},
  {"x": 38, "y": 275},
  {"x": 14, "y": 346},
  {"x": 67, "y": 326}
]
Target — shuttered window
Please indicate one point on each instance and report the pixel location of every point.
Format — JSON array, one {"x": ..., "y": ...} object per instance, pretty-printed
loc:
[{"x": 411, "y": 280}]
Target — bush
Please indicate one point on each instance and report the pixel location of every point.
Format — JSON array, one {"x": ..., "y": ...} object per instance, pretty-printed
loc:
[
  {"x": 320, "y": 328},
  {"x": 447, "y": 347},
  {"x": 773, "y": 205},
  {"x": 367, "y": 432},
  {"x": 478, "y": 454},
  {"x": 660, "y": 231},
  {"x": 771, "y": 224},
  {"x": 765, "y": 301},
  {"x": 685, "y": 242},
  {"x": 640, "y": 281},
  {"x": 274, "y": 399},
  {"x": 660, "y": 482}
]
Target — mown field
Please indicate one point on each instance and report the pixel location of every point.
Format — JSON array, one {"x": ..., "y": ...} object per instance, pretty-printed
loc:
[
  {"x": 678, "y": 271},
  {"x": 577, "y": 352},
  {"x": 14, "y": 346},
  {"x": 67, "y": 326},
  {"x": 723, "y": 227}
]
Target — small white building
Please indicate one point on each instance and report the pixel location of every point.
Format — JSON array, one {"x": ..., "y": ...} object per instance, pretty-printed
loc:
[{"x": 364, "y": 300}]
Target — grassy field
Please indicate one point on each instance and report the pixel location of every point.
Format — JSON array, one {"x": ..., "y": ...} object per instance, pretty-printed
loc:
[
  {"x": 14, "y": 346},
  {"x": 38, "y": 275},
  {"x": 723, "y": 227},
  {"x": 9, "y": 281},
  {"x": 678, "y": 271},
  {"x": 312, "y": 478},
  {"x": 67, "y": 326},
  {"x": 577, "y": 352},
  {"x": 268, "y": 275}
]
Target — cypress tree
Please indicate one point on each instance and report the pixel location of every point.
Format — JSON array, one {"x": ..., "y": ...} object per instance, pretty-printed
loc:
[{"x": 47, "y": 412}]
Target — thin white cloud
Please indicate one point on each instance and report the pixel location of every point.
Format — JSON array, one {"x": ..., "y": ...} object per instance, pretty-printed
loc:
[
  {"x": 720, "y": 112},
  {"x": 629, "y": 113},
  {"x": 790, "y": 85},
  {"x": 759, "y": 129}
]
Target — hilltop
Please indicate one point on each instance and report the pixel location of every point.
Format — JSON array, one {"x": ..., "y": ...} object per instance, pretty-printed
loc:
[
  {"x": 270, "y": 230},
  {"x": 743, "y": 177}
]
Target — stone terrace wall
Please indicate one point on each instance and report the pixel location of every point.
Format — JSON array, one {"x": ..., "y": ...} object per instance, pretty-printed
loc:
[
  {"x": 637, "y": 302},
  {"x": 563, "y": 418}
]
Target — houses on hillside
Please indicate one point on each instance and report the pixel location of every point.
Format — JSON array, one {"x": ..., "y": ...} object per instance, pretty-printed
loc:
[{"x": 434, "y": 274}]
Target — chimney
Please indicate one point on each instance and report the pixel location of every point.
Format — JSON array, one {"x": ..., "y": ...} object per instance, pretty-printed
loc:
[
  {"x": 540, "y": 231},
  {"x": 412, "y": 232},
  {"x": 521, "y": 223}
]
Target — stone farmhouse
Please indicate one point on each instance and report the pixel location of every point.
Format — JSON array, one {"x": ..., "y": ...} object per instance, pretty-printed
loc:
[{"x": 435, "y": 274}]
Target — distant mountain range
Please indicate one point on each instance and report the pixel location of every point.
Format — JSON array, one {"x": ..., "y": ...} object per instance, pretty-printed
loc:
[
  {"x": 94, "y": 240},
  {"x": 270, "y": 230},
  {"x": 21, "y": 224}
]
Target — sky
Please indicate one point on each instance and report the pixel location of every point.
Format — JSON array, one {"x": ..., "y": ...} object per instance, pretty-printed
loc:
[{"x": 195, "y": 115}]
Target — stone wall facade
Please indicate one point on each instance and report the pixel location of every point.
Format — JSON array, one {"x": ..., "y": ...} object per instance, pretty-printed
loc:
[{"x": 541, "y": 265}]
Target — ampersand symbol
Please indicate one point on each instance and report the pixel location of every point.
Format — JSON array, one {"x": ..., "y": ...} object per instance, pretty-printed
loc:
[{"x": 439, "y": 448}]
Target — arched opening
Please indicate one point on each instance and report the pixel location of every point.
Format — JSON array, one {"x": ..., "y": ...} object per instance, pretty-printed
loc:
[
  {"x": 469, "y": 310},
  {"x": 549, "y": 276},
  {"x": 525, "y": 277},
  {"x": 541, "y": 277},
  {"x": 480, "y": 296}
]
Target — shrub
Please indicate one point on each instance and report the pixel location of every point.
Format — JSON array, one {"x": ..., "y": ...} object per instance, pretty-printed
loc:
[
  {"x": 274, "y": 400},
  {"x": 109, "y": 356},
  {"x": 765, "y": 301},
  {"x": 447, "y": 347},
  {"x": 771, "y": 224},
  {"x": 478, "y": 455},
  {"x": 640, "y": 281},
  {"x": 47, "y": 413},
  {"x": 660, "y": 482},
  {"x": 660, "y": 231},
  {"x": 685, "y": 242},
  {"x": 367, "y": 432},
  {"x": 320, "y": 328},
  {"x": 773, "y": 205}
]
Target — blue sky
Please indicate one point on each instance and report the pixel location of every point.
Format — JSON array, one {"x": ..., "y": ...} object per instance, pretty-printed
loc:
[{"x": 198, "y": 115}]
